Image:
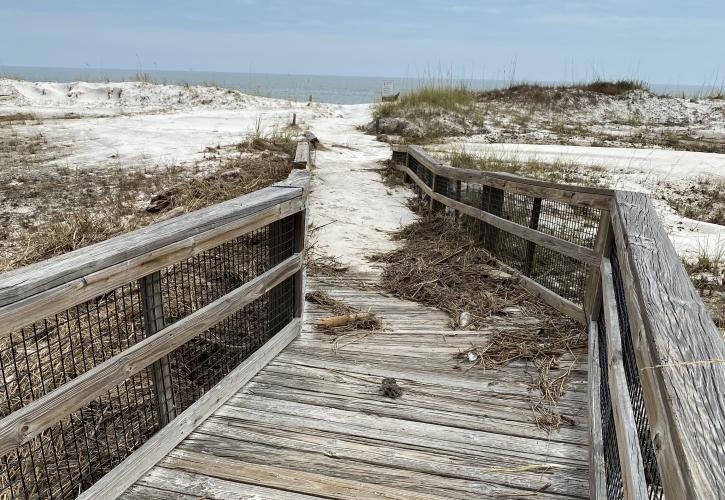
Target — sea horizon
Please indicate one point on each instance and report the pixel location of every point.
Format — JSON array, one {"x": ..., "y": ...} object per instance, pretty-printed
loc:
[{"x": 335, "y": 89}]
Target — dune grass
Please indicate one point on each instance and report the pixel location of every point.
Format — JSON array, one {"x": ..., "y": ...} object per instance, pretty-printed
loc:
[
  {"x": 451, "y": 98},
  {"x": 556, "y": 171}
]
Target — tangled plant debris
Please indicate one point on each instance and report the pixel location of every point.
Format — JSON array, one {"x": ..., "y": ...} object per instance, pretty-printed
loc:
[
  {"x": 439, "y": 264},
  {"x": 346, "y": 318}
]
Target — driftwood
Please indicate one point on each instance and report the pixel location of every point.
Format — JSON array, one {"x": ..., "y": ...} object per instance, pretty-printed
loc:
[{"x": 345, "y": 319}]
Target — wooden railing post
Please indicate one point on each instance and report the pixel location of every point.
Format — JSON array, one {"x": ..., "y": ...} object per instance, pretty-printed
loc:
[
  {"x": 154, "y": 322},
  {"x": 602, "y": 247},
  {"x": 530, "y": 246},
  {"x": 435, "y": 205},
  {"x": 300, "y": 242}
]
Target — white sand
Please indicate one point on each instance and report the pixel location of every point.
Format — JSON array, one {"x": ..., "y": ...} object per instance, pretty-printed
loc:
[{"x": 146, "y": 125}]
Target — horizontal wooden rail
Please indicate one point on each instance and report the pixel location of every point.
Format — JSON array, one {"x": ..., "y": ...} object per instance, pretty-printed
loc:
[
  {"x": 572, "y": 195},
  {"x": 23, "y": 425},
  {"x": 679, "y": 351},
  {"x": 57, "y": 284},
  {"x": 577, "y": 252},
  {"x": 26, "y": 282}
]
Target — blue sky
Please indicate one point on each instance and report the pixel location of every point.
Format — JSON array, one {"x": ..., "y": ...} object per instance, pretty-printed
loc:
[{"x": 662, "y": 41}]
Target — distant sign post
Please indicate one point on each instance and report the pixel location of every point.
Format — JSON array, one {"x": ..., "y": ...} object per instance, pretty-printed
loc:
[
  {"x": 387, "y": 88},
  {"x": 388, "y": 91}
]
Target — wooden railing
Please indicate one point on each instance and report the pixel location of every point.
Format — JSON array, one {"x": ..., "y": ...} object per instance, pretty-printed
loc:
[
  {"x": 110, "y": 355},
  {"x": 657, "y": 360}
]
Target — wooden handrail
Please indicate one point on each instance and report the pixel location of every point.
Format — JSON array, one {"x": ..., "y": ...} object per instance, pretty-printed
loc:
[
  {"x": 564, "y": 193},
  {"x": 679, "y": 351},
  {"x": 43, "y": 289}
]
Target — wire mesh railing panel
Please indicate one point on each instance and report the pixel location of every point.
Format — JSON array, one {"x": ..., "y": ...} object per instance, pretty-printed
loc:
[
  {"x": 400, "y": 157},
  {"x": 47, "y": 354},
  {"x": 201, "y": 363},
  {"x": 74, "y": 453},
  {"x": 421, "y": 171},
  {"x": 571, "y": 223},
  {"x": 80, "y": 449},
  {"x": 613, "y": 470},
  {"x": 634, "y": 386},
  {"x": 557, "y": 272}
]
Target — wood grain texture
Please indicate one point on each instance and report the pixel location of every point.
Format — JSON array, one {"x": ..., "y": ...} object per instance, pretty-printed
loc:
[
  {"x": 679, "y": 352},
  {"x": 597, "y": 474},
  {"x": 22, "y": 425},
  {"x": 130, "y": 470},
  {"x": 630, "y": 457}
]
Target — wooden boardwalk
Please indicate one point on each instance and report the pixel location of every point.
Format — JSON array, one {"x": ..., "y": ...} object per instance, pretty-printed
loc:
[{"x": 313, "y": 423}]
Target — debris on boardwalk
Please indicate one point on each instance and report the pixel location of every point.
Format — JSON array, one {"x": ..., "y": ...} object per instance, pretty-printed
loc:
[
  {"x": 438, "y": 264},
  {"x": 390, "y": 388},
  {"x": 345, "y": 317}
]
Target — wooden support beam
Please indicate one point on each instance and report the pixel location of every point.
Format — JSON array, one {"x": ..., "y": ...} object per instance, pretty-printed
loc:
[
  {"x": 597, "y": 474},
  {"x": 630, "y": 457},
  {"x": 530, "y": 246},
  {"x": 593, "y": 288},
  {"x": 154, "y": 322}
]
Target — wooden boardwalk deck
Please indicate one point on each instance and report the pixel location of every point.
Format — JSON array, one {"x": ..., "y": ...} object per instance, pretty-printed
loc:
[{"x": 313, "y": 424}]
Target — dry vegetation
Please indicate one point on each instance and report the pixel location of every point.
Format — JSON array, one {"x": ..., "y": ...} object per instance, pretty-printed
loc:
[
  {"x": 47, "y": 211},
  {"x": 440, "y": 264},
  {"x": 700, "y": 199},
  {"x": 708, "y": 275},
  {"x": 600, "y": 113},
  {"x": 558, "y": 171}
]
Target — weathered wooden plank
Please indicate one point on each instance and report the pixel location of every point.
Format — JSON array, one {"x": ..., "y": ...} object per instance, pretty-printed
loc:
[
  {"x": 573, "y": 195},
  {"x": 124, "y": 475},
  {"x": 494, "y": 416},
  {"x": 374, "y": 462},
  {"x": 679, "y": 352},
  {"x": 165, "y": 483},
  {"x": 24, "y": 424},
  {"x": 285, "y": 479},
  {"x": 246, "y": 406},
  {"x": 630, "y": 457},
  {"x": 302, "y": 155},
  {"x": 597, "y": 474},
  {"x": 577, "y": 252}
]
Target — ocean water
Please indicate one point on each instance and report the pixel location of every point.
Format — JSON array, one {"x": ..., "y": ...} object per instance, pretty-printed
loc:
[{"x": 321, "y": 88}]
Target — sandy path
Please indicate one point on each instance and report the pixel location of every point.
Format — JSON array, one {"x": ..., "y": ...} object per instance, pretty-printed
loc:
[{"x": 348, "y": 196}]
